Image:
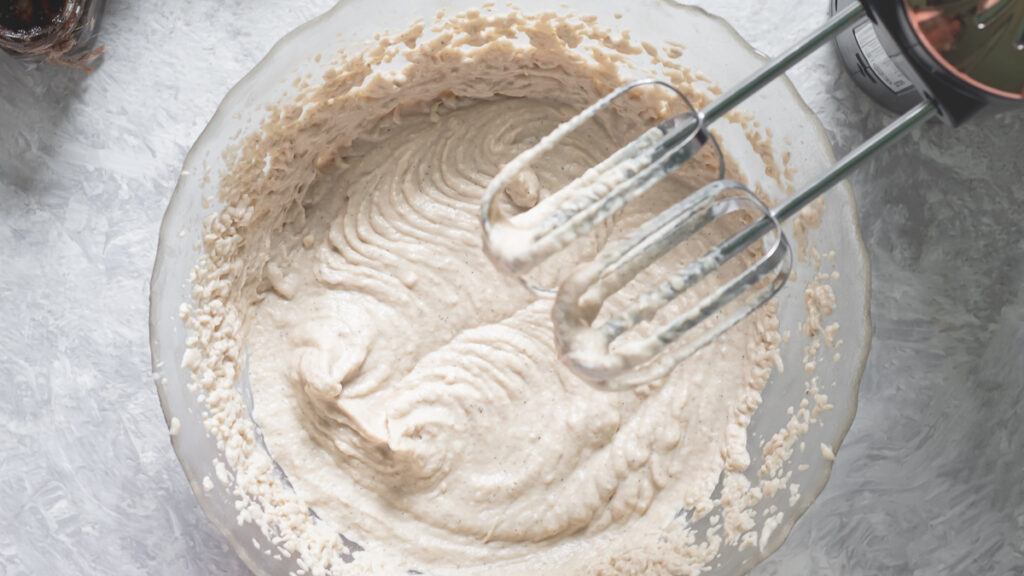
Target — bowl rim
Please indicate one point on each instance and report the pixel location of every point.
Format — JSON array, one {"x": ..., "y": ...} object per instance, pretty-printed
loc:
[
  {"x": 165, "y": 238},
  {"x": 789, "y": 521},
  {"x": 235, "y": 96}
]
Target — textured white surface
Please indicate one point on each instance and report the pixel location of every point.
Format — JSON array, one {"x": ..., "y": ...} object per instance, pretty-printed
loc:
[{"x": 929, "y": 481}]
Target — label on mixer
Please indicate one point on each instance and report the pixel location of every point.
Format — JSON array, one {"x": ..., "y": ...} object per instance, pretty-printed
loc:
[{"x": 879, "y": 62}]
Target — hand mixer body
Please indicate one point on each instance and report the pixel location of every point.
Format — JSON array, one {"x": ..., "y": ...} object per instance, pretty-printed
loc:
[{"x": 966, "y": 55}]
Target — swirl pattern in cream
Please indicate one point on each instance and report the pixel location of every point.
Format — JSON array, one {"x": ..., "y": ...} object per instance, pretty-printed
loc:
[{"x": 412, "y": 393}]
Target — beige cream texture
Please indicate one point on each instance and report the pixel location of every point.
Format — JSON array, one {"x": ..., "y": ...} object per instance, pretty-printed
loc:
[{"x": 408, "y": 390}]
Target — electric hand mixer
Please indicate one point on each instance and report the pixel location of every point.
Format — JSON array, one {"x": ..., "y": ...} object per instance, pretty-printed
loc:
[{"x": 965, "y": 55}]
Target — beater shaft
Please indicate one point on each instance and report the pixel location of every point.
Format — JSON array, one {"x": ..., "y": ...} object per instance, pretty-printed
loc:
[{"x": 519, "y": 243}]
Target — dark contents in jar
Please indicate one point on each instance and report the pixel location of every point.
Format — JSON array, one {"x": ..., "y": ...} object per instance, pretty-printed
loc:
[
  {"x": 55, "y": 30},
  {"x": 29, "y": 15}
]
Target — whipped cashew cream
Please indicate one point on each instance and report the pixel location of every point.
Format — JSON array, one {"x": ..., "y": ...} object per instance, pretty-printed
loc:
[{"x": 410, "y": 392}]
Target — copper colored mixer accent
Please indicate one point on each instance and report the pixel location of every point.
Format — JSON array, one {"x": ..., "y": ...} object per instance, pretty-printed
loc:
[{"x": 979, "y": 42}]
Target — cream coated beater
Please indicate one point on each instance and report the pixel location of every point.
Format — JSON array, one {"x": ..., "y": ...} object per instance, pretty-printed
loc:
[{"x": 963, "y": 56}]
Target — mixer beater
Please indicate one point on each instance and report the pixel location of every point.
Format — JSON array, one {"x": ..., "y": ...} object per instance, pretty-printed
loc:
[{"x": 965, "y": 56}]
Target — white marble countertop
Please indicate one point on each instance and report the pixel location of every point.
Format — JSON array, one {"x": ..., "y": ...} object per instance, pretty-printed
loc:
[{"x": 929, "y": 481}]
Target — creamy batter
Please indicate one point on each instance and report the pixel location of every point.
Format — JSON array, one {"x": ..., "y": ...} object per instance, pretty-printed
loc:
[
  {"x": 412, "y": 391},
  {"x": 409, "y": 391}
]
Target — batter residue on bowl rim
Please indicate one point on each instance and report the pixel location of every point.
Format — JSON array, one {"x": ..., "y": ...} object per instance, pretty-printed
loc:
[{"x": 411, "y": 393}]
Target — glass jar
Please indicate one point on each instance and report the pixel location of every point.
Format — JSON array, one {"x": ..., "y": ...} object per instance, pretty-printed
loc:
[{"x": 58, "y": 31}]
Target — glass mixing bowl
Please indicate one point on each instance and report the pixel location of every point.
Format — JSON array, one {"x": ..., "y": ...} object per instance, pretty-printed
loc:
[{"x": 724, "y": 58}]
